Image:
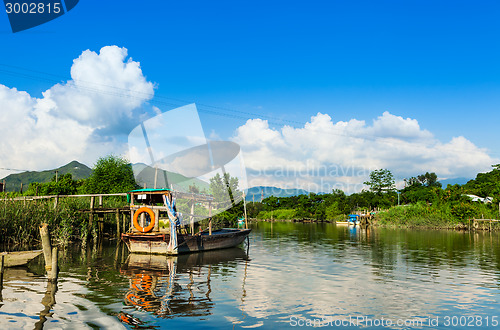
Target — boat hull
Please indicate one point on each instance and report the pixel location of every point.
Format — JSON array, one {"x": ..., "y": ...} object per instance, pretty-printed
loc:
[
  {"x": 156, "y": 264},
  {"x": 19, "y": 258},
  {"x": 157, "y": 243}
]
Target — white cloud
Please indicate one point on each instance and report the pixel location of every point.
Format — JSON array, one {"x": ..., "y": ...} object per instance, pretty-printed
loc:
[
  {"x": 389, "y": 125},
  {"x": 81, "y": 119},
  {"x": 324, "y": 154}
]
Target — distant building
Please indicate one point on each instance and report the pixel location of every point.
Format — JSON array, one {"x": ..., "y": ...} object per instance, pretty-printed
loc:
[{"x": 475, "y": 198}]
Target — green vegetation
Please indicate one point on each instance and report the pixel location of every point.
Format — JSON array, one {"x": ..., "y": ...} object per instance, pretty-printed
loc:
[
  {"x": 423, "y": 202},
  {"x": 110, "y": 175},
  {"x": 64, "y": 185},
  {"x": 381, "y": 181},
  {"x": 225, "y": 190},
  {"x": 77, "y": 170},
  {"x": 19, "y": 220}
]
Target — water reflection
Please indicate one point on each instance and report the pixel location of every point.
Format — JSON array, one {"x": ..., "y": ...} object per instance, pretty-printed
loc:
[
  {"x": 338, "y": 272},
  {"x": 303, "y": 270},
  {"x": 173, "y": 286}
]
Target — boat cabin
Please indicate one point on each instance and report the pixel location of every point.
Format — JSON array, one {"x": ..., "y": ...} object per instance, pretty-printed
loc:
[{"x": 149, "y": 209}]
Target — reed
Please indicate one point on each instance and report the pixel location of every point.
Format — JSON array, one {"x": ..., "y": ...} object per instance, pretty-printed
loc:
[
  {"x": 444, "y": 215},
  {"x": 19, "y": 220}
]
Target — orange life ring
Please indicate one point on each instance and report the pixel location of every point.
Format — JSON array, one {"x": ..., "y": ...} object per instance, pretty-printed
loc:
[{"x": 136, "y": 218}]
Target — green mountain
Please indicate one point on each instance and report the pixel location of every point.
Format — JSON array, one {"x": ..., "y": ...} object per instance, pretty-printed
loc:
[
  {"x": 82, "y": 171},
  {"x": 460, "y": 181},
  {"x": 145, "y": 176},
  {"x": 77, "y": 170},
  {"x": 257, "y": 193}
]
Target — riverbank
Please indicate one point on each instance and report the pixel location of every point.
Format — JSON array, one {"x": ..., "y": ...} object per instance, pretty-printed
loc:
[{"x": 419, "y": 215}]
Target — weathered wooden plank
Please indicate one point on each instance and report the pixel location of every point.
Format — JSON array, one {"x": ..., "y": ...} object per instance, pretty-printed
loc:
[{"x": 19, "y": 258}]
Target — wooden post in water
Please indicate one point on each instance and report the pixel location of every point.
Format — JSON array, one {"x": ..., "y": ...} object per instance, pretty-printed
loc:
[
  {"x": 100, "y": 224},
  {"x": 91, "y": 216},
  {"x": 191, "y": 222},
  {"x": 124, "y": 220},
  {"x": 54, "y": 271},
  {"x": 1, "y": 276},
  {"x": 117, "y": 215},
  {"x": 47, "y": 249},
  {"x": 245, "y": 209},
  {"x": 210, "y": 218}
]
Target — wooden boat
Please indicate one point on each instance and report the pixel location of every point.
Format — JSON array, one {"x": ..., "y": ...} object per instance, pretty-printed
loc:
[
  {"x": 146, "y": 236},
  {"x": 343, "y": 223},
  {"x": 19, "y": 258},
  {"x": 159, "y": 264},
  {"x": 159, "y": 243}
]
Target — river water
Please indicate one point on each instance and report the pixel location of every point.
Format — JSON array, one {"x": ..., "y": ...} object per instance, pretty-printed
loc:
[{"x": 290, "y": 275}]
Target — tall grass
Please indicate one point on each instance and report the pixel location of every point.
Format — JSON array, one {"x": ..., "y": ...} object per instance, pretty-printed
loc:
[
  {"x": 20, "y": 220},
  {"x": 432, "y": 216},
  {"x": 279, "y": 214}
]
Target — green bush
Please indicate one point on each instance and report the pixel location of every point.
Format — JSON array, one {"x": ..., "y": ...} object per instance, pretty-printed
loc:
[{"x": 280, "y": 214}]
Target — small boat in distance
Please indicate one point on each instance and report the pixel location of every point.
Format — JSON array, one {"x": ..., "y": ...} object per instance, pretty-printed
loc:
[
  {"x": 148, "y": 236},
  {"x": 19, "y": 258},
  {"x": 353, "y": 219}
]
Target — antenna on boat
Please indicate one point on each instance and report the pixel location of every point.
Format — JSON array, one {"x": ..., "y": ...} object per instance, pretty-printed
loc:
[{"x": 150, "y": 151}]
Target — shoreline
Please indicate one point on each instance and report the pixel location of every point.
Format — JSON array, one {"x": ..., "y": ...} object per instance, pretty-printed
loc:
[{"x": 376, "y": 224}]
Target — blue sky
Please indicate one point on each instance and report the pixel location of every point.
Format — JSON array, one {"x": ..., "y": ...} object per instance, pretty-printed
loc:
[{"x": 286, "y": 61}]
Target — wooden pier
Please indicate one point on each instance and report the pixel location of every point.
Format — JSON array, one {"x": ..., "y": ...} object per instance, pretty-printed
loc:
[
  {"x": 123, "y": 215},
  {"x": 96, "y": 210},
  {"x": 475, "y": 224}
]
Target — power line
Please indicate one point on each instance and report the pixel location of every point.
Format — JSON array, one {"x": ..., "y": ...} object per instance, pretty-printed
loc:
[{"x": 175, "y": 102}]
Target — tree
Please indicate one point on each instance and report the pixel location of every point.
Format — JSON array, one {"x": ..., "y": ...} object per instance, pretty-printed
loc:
[
  {"x": 424, "y": 187},
  {"x": 225, "y": 190},
  {"x": 194, "y": 189},
  {"x": 111, "y": 174},
  {"x": 65, "y": 185},
  {"x": 429, "y": 180},
  {"x": 485, "y": 184},
  {"x": 381, "y": 181}
]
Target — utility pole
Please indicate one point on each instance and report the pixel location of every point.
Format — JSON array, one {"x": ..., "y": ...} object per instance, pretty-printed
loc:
[{"x": 57, "y": 171}]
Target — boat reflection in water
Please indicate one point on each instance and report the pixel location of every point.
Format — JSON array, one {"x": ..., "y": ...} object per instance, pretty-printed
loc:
[{"x": 172, "y": 286}]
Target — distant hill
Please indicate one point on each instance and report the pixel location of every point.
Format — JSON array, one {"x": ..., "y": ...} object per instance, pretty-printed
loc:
[
  {"x": 145, "y": 176},
  {"x": 82, "y": 171},
  {"x": 255, "y": 193},
  {"x": 460, "y": 181},
  {"x": 77, "y": 170}
]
